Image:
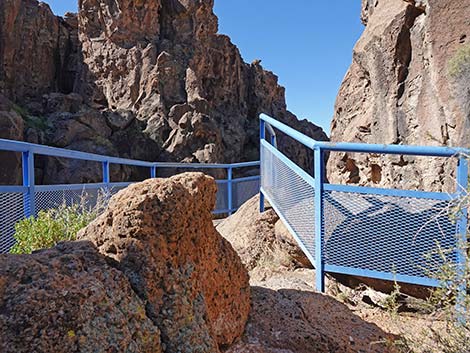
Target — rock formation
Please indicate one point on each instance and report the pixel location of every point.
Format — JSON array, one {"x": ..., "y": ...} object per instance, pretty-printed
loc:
[
  {"x": 287, "y": 314},
  {"x": 261, "y": 239},
  {"x": 149, "y": 80},
  {"x": 151, "y": 274},
  {"x": 408, "y": 84},
  {"x": 194, "y": 286},
  {"x": 68, "y": 299}
]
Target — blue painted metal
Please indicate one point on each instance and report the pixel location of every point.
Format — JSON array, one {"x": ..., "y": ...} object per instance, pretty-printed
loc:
[
  {"x": 389, "y": 192},
  {"x": 299, "y": 171},
  {"x": 262, "y": 137},
  {"x": 17, "y": 146},
  {"x": 250, "y": 178},
  {"x": 386, "y": 276},
  {"x": 365, "y": 148},
  {"x": 106, "y": 179},
  {"x": 462, "y": 228},
  {"x": 319, "y": 170},
  {"x": 70, "y": 187},
  {"x": 232, "y": 193},
  {"x": 355, "y": 213},
  {"x": 229, "y": 190},
  {"x": 206, "y": 166},
  {"x": 28, "y": 182},
  {"x": 13, "y": 188}
]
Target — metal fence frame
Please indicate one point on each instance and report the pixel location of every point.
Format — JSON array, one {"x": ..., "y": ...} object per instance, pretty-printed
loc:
[
  {"x": 29, "y": 188},
  {"x": 320, "y": 186}
]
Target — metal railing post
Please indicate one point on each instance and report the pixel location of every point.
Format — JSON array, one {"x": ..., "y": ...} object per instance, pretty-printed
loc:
[
  {"x": 106, "y": 179},
  {"x": 462, "y": 227},
  {"x": 153, "y": 172},
  {"x": 29, "y": 200},
  {"x": 262, "y": 135},
  {"x": 319, "y": 167},
  {"x": 230, "y": 190}
]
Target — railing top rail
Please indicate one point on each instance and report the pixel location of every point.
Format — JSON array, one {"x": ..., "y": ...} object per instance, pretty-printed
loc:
[
  {"x": 207, "y": 165},
  {"x": 20, "y": 146},
  {"x": 432, "y": 151}
]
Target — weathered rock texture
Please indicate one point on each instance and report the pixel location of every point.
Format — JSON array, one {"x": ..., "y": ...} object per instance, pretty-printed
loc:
[
  {"x": 287, "y": 315},
  {"x": 403, "y": 88},
  {"x": 147, "y": 79},
  {"x": 194, "y": 285},
  {"x": 151, "y": 274},
  {"x": 68, "y": 299},
  {"x": 261, "y": 239}
]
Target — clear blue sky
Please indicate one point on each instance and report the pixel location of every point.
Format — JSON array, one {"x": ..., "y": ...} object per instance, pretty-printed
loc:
[{"x": 307, "y": 43}]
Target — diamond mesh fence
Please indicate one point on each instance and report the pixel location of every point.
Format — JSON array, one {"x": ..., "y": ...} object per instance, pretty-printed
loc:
[
  {"x": 243, "y": 190},
  {"x": 399, "y": 235},
  {"x": 11, "y": 211},
  {"x": 222, "y": 196},
  {"x": 292, "y": 196}
]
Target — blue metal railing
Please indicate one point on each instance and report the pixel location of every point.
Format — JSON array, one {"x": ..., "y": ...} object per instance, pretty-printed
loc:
[
  {"x": 19, "y": 201},
  {"x": 363, "y": 231}
]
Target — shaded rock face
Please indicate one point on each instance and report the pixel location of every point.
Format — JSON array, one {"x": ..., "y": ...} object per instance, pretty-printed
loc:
[
  {"x": 37, "y": 50},
  {"x": 403, "y": 88},
  {"x": 151, "y": 274},
  {"x": 287, "y": 314},
  {"x": 11, "y": 128},
  {"x": 261, "y": 239},
  {"x": 68, "y": 299},
  {"x": 146, "y": 79},
  {"x": 194, "y": 285}
]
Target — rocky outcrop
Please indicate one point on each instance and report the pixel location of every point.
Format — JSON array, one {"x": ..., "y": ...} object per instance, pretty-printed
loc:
[
  {"x": 261, "y": 239},
  {"x": 151, "y": 274},
  {"x": 193, "y": 284},
  {"x": 287, "y": 314},
  {"x": 68, "y": 299},
  {"x": 11, "y": 128},
  {"x": 38, "y": 51},
  {"x": 150, "y": 80},
  {"x": 408, "y": 84}
]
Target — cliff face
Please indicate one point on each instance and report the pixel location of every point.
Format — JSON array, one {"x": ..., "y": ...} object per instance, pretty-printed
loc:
[
  {"x": 408, "y": 84},
  {"x": 146, "y": 79}
]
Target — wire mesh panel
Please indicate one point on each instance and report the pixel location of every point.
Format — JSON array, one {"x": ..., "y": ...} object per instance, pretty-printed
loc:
[
  {"x": 87, "y": 198},
  {"x": 291, "y": 194},
  {"x": 398, "y": 235},
  {"x": 244, "y": 190},
  {"x": 221, "y": 204},
  {"x": 11, "y": 211}
]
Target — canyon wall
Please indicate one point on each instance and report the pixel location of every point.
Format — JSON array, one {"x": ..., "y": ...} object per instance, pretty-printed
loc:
[
  {"x": 409, "y": 83},
  {"x": 150, "y": 80}
]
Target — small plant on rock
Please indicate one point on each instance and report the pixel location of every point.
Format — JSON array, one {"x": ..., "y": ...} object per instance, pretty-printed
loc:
[{"x": 53, "y": 226}]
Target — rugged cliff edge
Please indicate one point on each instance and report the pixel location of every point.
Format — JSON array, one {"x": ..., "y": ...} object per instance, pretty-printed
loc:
[
  {"x": 145, "y": 79},
  {"x": 408, "y": 84}
]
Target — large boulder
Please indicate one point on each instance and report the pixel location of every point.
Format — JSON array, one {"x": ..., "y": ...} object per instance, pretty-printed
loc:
[
  {"x": 288, "y": 316},
  {"x": 151, "y": 274},
  {"x": 261, "y": 239},
  {"x": 69, "y": 299},
  {"x": 194, "y": 285},
  {"x": 408, "y": 84}
]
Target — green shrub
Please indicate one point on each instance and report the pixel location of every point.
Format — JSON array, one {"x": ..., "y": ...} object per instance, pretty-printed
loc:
[
  {"x": 51, "y": 227},
  {"x": 460, "y": 62}
]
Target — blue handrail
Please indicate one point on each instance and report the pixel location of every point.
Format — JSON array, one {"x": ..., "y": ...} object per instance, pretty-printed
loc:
[
  {"x": 30, "y": 150},
  {"x": 276, "y": 191},
  {"x": 433, "y": 151}
]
